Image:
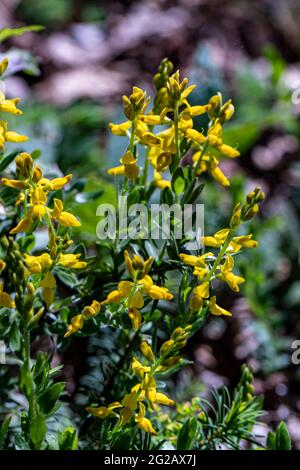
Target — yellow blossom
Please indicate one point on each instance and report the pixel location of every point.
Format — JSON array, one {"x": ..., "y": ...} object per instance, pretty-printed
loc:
[
  {"x": 9, "y": 136},
  {"x": 144, "y": 423},
  {"x": 9, "y": 106},
  {"x": 216, "y": 309},
  {"x": 2, "y": 265},
  {"x": 138, "y": 368},
  {"x": 217, "y": 239},
  {"x": 71, "y": 260},
  {"x": 228, "y": 276},
  {"x": 91, "y": 310},
  {"x": 38, "y": 264},
  {"x": 5, "y": 299},
  {"x": 104, "y": 411},
  {"x": 146, "y": 350},
  {"x": 199, "y": 293},
  {"x": 76, "y": 325},
  {"x": 135, "y": 317},
  {"x": 66, "y": 219}
]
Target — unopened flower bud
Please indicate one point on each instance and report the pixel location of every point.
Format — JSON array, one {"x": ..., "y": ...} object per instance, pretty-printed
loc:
[
  {"x": 24, "y": 164},
  {"x": 167, "y": 346},
  {"x": 146, "y": 350}
]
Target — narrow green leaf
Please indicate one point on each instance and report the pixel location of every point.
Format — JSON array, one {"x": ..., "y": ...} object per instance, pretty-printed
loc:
[
  {"x": 4, "y": 431},
  {"x": 47, "y": 401},
  {"x": 7, "y": 160},
  {"x": 283, "y": 440},
  {"x": 6, "y": 33},
  {"x": 187, "y": 434}
]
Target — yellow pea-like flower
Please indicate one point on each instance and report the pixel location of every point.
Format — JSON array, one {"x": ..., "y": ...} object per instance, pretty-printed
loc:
[
  {"x": 216, "y": 309},
  {"x": 66, "y": 219}
]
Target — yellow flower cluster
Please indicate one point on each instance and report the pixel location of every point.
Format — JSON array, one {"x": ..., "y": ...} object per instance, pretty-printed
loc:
[
  {"x": 176, "y": 115},
  {"x": 34, "y": 195},
  {"x": 133, "y": 405},
  {"x": 34, "y": 190},
  {"x": 131, "y": 293},
  {"x": 8, "y": 106},
  {"x": 208, "y": 267}
]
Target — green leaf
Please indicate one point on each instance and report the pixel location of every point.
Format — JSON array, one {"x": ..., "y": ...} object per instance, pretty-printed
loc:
[
  {"x": 68, "y": 277},
  {"x": 122, "y": 440},
  {"x": 38, "y": 430},
  {"x": 178, "y": 181},
  {"x": 187, "y": 434},
  {"x": 271, "y": 441},
  {"x": 40, "y": 370},
  {"x": 7, "y": 160},
  {"x": 68, "y": 439},
  {"x": 25, "y": 382},
  {"x": 27, "y": 243},
  {"x": 47, "y": 401},
  {"x": 167, "y": 196},
  {"x": 15, "y": 337},
  {"x": 4, "y": 431},
  {"x": 283, "y": 440},
  {"x": 21, "y": 443},
  {"x": 6, "y": 33}
]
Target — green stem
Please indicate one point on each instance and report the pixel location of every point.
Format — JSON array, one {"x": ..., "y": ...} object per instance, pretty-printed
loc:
[
  {"x": 146, "y": 167},
  {"x": 132, "y": 136},
  {"x": 176, "y": 132},
  {"x": 204, "y": 148},
  {"x": 219, "y": 257}
]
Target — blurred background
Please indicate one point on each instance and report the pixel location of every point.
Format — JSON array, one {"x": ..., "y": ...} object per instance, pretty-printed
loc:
[{"x": 71, "y": 81}]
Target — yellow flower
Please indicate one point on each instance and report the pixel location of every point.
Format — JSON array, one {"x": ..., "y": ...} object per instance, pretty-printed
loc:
[
  {"x": 228, "y": 276},
  {"x": 138, "y": 368},
  {"x": 9, "y": 136},
  {"x": 228, "y": 151},
  {"x": 5, "y": 299},
  {"x": 162, "y": 399},
  {"x": 217, "y": 240},
  {"x": 136, "y": 266},
  {"x": 57, "y": 183},
  {"x": 243, "y": 241},
  {"x": 92, "y": 309},
  {"x": 144, "y": 423},
  {"x": 104, "y": 411},
  {"x": 135, "y": 317},
  {"x": 195, "y": 136},
  {"x": 160, "y": 182},
  {"x": 24, "y": 225},
  {"x": 48, "y": 285},
  {"x": 158, "y": 292},
  {"x": 3, "y": 66},
  {"x": 120, "y": 129},
  {"x": 199, "y": 293},
  {"x": 66, "y": 219},
  {"x": 130, "y": 403},
  {"x": 38, "y": 264},
  {"x": 216, "y": 310},
  {"x": 9, "y": 106},
  {"x": 128, "y": 167},
  {"x": 117, "y": 170},
  {"x": 87, "y": 313},
  {"x": 71, "y": 260},
  {"x": 149, "y": 386},
  {"x": 113, "y": 297},
  {"x": 195, "y": 261},
  {"x": 76, "y": 325},
  {"x": 146, "y": 350},
  {"x": 2, "y": 265}
]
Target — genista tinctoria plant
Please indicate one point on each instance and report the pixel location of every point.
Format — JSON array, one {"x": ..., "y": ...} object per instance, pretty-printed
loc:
[{"x": 153, "y": 315}]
